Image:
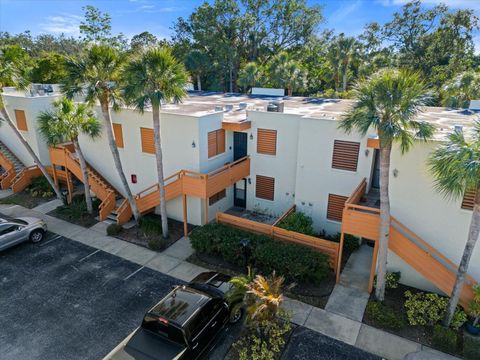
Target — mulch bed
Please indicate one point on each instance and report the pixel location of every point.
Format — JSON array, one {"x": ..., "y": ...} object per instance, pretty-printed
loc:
[
  {"x": 394, "y": 299},
  {"x": 136, "y": 236},
  {"x": 86, "y": 220},
  {"x": 25, "y": 199},
  {"x": 313, "y": 294}
]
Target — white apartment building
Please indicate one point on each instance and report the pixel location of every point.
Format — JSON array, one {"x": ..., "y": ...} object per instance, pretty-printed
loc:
[{"x": 297, "y": 156}]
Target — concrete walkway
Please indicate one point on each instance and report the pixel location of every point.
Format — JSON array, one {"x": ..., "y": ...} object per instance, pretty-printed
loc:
[
  {"x": 350, "y": 297},
  {"x": 344, "y": 325}
]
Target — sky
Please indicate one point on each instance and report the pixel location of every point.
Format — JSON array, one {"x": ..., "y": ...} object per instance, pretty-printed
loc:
[{"x": 158, "y": 16}]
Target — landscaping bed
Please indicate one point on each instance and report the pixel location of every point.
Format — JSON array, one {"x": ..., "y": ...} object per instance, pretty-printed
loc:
[
  {"x": 392, "y": 316},
  {"x": 76, "y": 212},
  {"x": 149, "y": 232},
  {"x": 218, "y": 247},
  {"x": 38, "y": 193}
]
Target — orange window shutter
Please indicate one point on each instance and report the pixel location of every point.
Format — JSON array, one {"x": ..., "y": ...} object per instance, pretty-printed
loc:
[
  {"x": 212, "y": 144},
  {"x": 345, "y": 155},
  {"x": 118, "y": 133},
  {"x": 336, "y": 203},
  {"x": 21, "y": 120},
  {"x": 468, "y": 200},
  {"x": 265, "y": 187},
  {"x": 267, "y": 141},
  {"x": 220, "y": 141},
  {"x": 148, "y": 144}
]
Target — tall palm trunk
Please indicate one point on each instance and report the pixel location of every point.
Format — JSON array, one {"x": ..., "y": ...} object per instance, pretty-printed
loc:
[
  {"x": 83, "y": 167},
  {"x": 473, "y": 235},
  {"x": 199, "y": 83},
  {"x": 159, "y": 159},
  {"x": 385, "y": 153},
  {"x": 116, "y": 159},
  {"x": 344, "y": 81},
  {"x": 30, "y": 151}
]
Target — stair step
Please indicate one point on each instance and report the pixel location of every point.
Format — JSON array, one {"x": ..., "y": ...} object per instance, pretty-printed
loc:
[{"x": 112, "y": 217}]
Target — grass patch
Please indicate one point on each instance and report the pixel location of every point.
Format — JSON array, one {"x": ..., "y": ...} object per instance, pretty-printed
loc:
[{"x": 76, "y": 212}]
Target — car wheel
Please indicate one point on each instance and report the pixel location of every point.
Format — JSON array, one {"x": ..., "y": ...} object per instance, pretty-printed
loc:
[
  {"x": 37, "y": 235},
  {"x": 236, "y": 313}
]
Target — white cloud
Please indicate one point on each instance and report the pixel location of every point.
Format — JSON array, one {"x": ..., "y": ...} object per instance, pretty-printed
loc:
[
  {"x": 344, "y": 11},
  {"x": 456, "y": 4},
  {"x": 65, "y": 23}
]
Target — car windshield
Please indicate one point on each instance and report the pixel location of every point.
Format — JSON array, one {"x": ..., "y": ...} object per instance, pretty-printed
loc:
[{"x": 19, "y": 222}]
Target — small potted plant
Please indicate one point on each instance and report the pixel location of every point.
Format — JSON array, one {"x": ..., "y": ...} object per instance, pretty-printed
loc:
[{"x": 473, "y": 327}]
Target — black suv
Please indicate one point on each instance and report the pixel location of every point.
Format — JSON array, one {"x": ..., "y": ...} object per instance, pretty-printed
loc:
[{"x": 186, "y": 322}]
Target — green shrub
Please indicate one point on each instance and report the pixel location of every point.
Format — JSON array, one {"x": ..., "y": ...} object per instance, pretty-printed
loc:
[
  {"x": 295, "y": 262},
  {"x": 157, "y": 244},
  {"x": 350, "y": 243},
  {"x": 385, "y": 316},
  {"x": 150, "y": 227},
  {"x": 40, "y": 188},
  {"x": 113, "y": 229},
  {"x": 298, "y": 222},
  {"x": 471, "y": 347},
  {"x": 429, "y": 309},
  {"x": 444, "y": 339},
  {"x": 391, "y": 280}
]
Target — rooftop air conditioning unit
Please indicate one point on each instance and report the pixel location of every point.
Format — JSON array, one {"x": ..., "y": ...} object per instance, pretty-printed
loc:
[
  {"x": 271, "y": 107},
  {"x": 275, "y": 106},
  {"x": 242, "y": 105},
  {"x": 218, "y": 108},
  {"x": 228, "y": 107},
  {"x": 458, "y": 128}
]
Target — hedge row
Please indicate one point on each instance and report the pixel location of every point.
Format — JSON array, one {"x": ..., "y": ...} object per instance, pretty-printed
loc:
[{"x": 295, "y": 262}]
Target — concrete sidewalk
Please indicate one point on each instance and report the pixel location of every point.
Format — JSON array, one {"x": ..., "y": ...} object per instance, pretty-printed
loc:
[{"x": 347, "y": 328}]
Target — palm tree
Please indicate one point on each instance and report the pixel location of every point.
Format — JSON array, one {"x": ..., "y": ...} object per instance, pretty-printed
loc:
[
  {"x": 286, "y": 73},
  {"x": 388, "y": 102},
  {"x": 66, "y": 122},
  {"x": 463, "y": 88},
  {"x": 13, "y": 71},
  {"x": 341, "y": 54},
  {"x": 151, "y": 79},
  {"x": 197, "y": 63},
  {"x": 95, "y": 75},
  {"x": 456, "y": 168},
  {"x": 250, "y": 76}
]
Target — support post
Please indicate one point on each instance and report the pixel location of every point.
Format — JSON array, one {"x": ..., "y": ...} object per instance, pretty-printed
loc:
[
  {"x": 69, "y": 185},
  {"x": 185, "y": 223},
  {"x": 206, "y": 211},
  {"x": 340, "y": 254},
  {"x": 373, "y": 267},
  {"x": 55, "y": 177}
]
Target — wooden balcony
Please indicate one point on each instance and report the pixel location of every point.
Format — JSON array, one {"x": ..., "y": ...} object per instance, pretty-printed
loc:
[{"x": 373, "y": 143}]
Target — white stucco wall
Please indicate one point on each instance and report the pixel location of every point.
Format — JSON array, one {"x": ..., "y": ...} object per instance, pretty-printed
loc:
[
  {"x": 32, "y": 106},
  {"x": 439, "y": 221},
  {"x": 281, "y": 166},
  {"x": 315, "y": 176}
]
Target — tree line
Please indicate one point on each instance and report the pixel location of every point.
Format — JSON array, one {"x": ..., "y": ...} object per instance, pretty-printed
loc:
[{"x": 234, "y": 45}]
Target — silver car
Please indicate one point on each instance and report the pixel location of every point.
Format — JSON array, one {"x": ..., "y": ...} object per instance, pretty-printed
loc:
[{"x": 15, "y": 231}]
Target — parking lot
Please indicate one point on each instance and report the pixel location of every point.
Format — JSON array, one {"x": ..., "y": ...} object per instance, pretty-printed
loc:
[{"x": 60, "y": 299}]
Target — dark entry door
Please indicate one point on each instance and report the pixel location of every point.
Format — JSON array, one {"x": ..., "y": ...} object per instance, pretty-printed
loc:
[
  {"x": 240, "y": 193},
  {"x": 376, "y": 170},
  {"x": 239, "y": 145}
]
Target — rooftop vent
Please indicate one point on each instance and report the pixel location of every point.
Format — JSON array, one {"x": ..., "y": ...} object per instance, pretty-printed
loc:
[
  {"x": 275, "y": 106},
  {"x": 218, "y": 108},
  {"x": 242, "y": 105},
  {"x": 228, "y": 107},
  {"x": 458, "y": 128}
]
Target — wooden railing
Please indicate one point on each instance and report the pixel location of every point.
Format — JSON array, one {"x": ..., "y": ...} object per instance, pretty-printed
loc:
[
  {"x": 24, "y": 178},
  {"x": 9, "y": 174},
  {"x": 107, "y": 206},
  {"x": 324, "y": 246},
  {"x": 364, "y": 221}
]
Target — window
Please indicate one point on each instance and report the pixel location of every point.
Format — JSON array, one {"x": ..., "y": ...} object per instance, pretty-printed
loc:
[
  {"x": 267, "y": 141},
  {"x": 217, "y": 197},
  {"x": 265, "y": 187},
  {"x": 468, "y": 200},
  {"x": 336, "y": 203},
  {"x": 118, "y": 133},
  {"x": 21, "y": 120},
  {"x": 216, "y": 142},
  {"x": 345, "y": 155},
  {"x": 148, "y": 144}
]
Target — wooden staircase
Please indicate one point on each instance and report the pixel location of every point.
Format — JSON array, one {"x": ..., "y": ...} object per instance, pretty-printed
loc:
[
  {"x": 64, "y": 155},
  {"x": 364, "y": 222},
  {"x": 10, "y": 165},
  {"x": 190, "y": 183}
]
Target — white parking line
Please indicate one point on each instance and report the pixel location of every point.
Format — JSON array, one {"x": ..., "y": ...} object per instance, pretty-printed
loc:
[
  {"x": 86, "y": 257},
  {"x": 136, "y": 271},
  {"x": 52, "y": 239}
]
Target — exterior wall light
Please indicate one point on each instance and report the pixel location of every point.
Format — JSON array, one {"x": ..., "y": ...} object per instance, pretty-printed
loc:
[
  {"x": 193, "y": 144},
  {"x": 250, "y": 181},
  {"x": 395, "y": 172},
  {"x": 367, "y": 152},
  {"x": 251, "y": 136}
]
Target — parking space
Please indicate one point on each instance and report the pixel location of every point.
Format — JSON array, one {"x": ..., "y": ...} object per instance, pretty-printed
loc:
[{"x": 60, "y": 299}]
